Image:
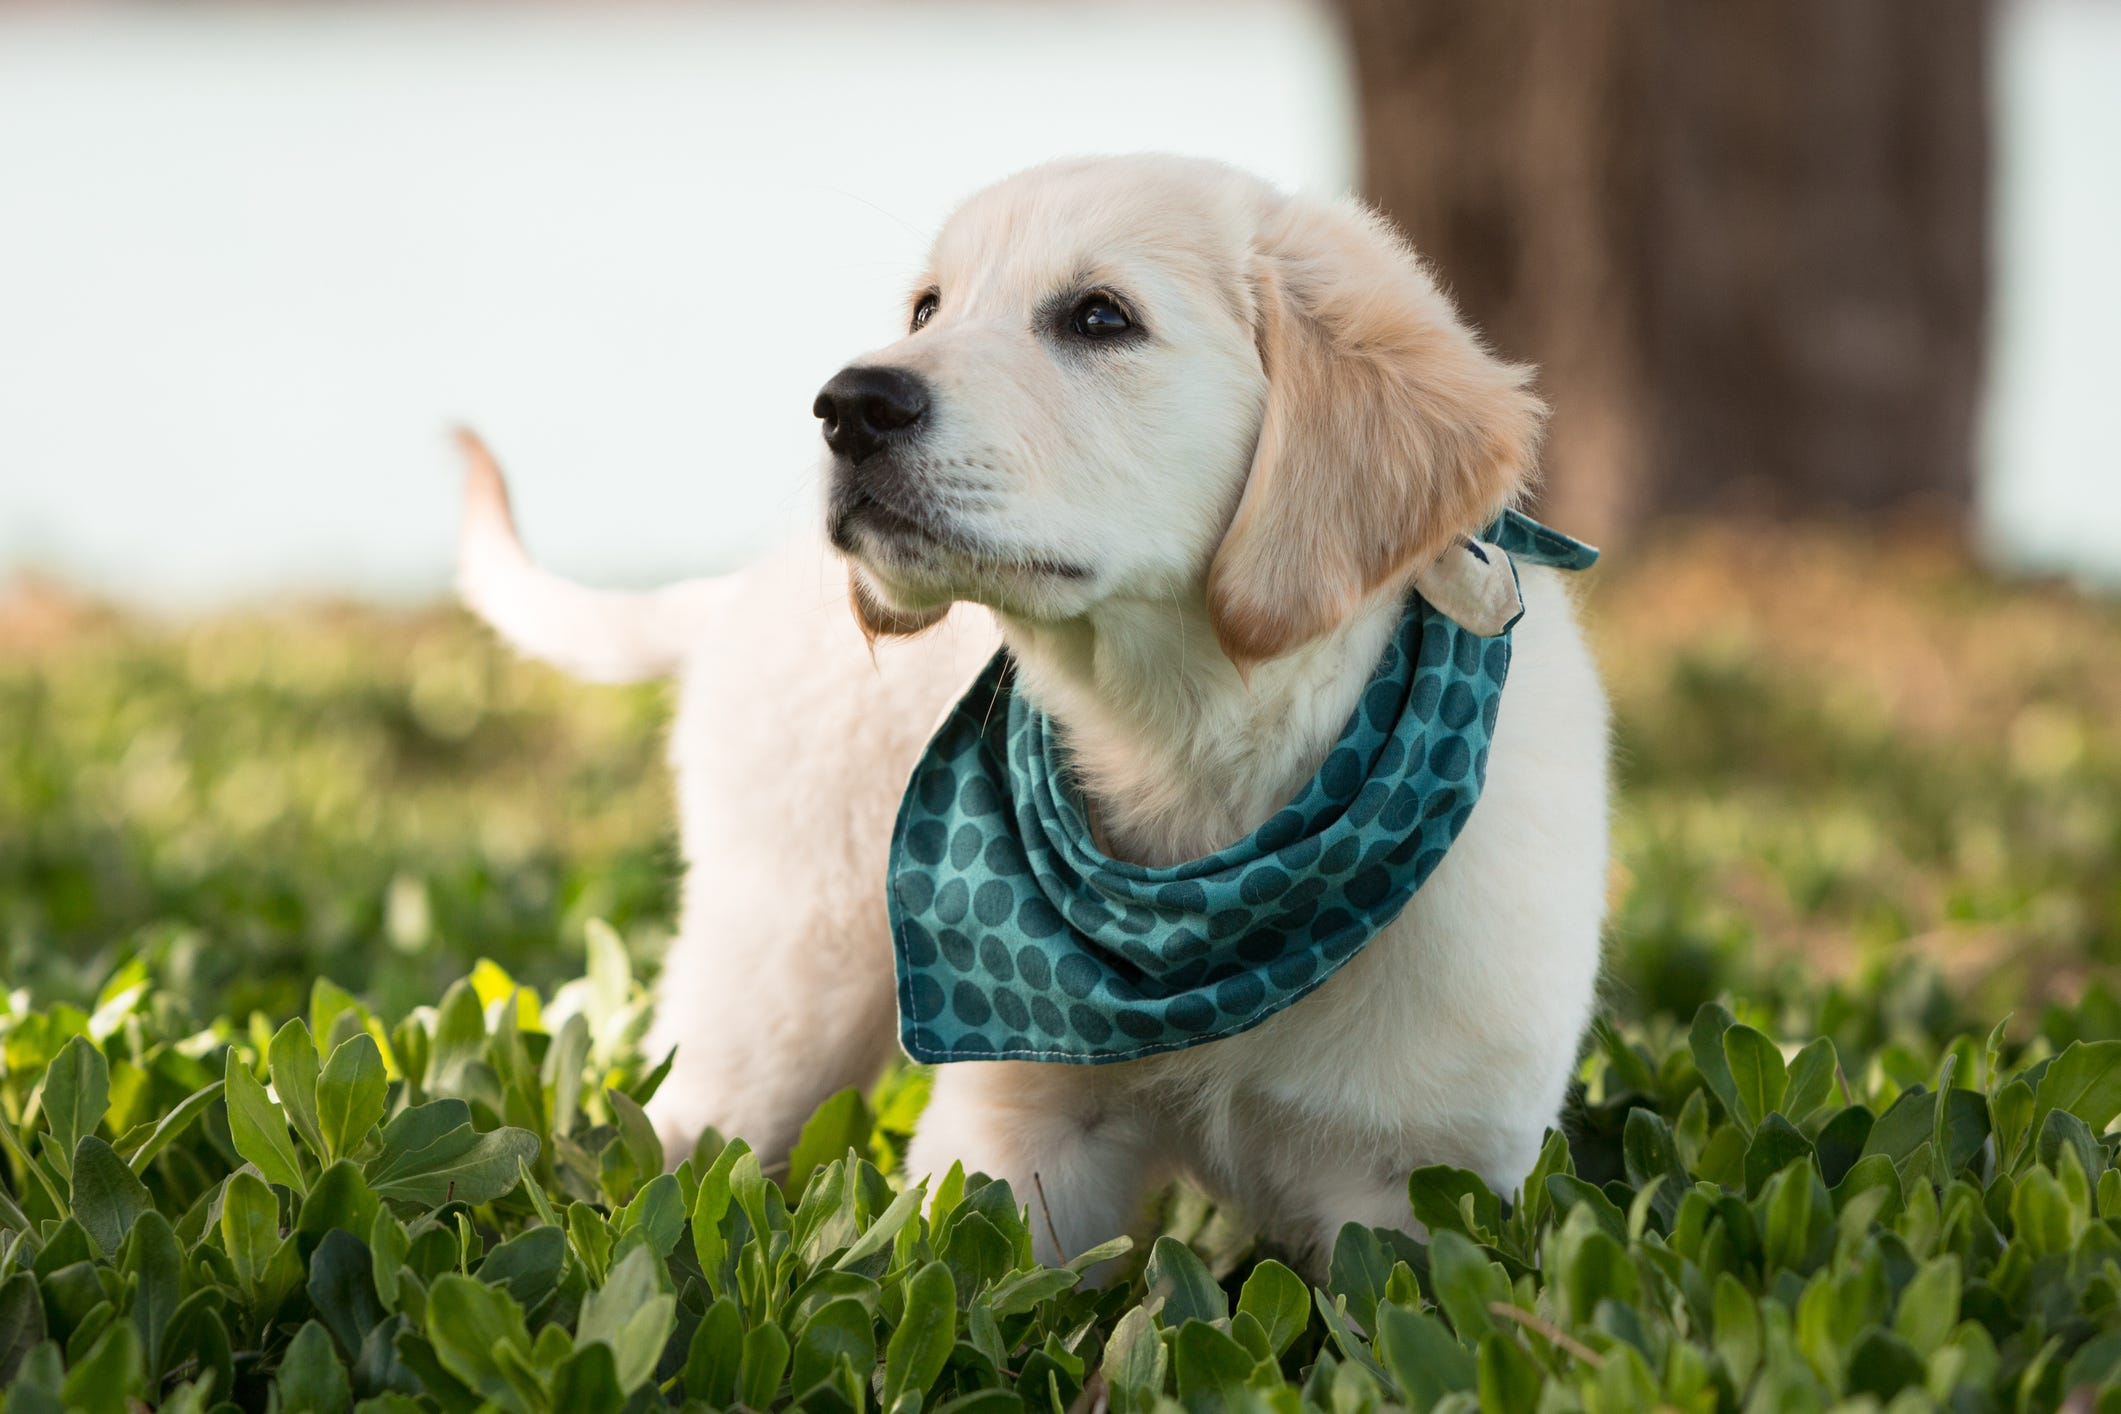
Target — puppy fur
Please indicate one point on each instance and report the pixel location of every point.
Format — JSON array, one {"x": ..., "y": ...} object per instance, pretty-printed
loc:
[{"x": 1195, "y": 538}]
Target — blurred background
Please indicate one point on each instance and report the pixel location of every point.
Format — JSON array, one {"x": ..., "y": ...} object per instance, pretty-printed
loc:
[
  {"x": 1794, "y": 259},
  {"x": 1823, "y": 293}
]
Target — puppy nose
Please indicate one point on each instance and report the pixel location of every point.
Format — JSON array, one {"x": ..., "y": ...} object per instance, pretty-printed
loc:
[{"x": 864, "y": 408}]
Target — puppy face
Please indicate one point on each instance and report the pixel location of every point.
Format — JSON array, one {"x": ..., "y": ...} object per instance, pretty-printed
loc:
[{"x": 1149, "y": 377}]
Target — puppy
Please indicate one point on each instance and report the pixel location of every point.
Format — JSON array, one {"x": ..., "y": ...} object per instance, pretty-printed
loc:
[{"x": 1183, "y": 444}]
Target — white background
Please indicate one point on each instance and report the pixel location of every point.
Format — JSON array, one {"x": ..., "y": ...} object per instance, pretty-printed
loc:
[{"x": 253, "y": 261}]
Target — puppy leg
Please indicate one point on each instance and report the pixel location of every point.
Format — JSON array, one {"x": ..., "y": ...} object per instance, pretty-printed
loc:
[
  {"x": 769, "y": 1019},
  {"x": 1375, "y": 1193},
  {"x": 1076, "y": 1154}
]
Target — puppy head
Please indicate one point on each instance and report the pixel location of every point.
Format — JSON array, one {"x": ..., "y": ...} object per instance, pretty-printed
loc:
[{"x": 1150, "y": 378}]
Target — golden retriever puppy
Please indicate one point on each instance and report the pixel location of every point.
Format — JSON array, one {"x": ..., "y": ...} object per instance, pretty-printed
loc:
[{"x": 1192, "y": 450}]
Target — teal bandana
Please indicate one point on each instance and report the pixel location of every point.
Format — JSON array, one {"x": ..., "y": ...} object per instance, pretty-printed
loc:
[{"x": 1017, "y": 939}]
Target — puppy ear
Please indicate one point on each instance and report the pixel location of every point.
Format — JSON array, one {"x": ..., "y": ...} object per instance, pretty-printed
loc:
[
  {"x": 1389, "y": 431},
  {"x": 880, "y": 620}
]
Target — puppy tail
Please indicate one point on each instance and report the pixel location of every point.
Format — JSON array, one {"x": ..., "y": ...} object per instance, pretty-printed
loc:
[{"x": 602, "y": 635}]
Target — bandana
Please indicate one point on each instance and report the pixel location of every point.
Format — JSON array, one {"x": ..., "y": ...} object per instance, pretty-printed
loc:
[{"x": 1018, "y": 939}]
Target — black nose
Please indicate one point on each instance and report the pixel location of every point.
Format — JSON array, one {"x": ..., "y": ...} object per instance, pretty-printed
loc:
[{"x": 864, "y": 408}]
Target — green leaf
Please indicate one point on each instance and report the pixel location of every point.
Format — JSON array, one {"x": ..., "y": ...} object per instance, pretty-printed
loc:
[
  {"x": 340, "y": 1200},
  {"x": 173, "y": 1124},
  {"x": 250, "y": 1227},
  {"x": 1424, "y": 1360},
  {"x": 76, "y": 1096},
  {"x": 1440, "y": 1196},
  {"x": 1776, "y": 1145},
  {"x": 2062, "y": 1132},
  {"x": 1360, "y": 1268},
  {"x": 638, "y": 1133},
  {"x": 1508, "y": 1380},
  {"x": 1758, "y": 1074},
  {"x": 2012, "y": 1113},
  {"x": 1211, "y": 1368},
  {"x": 1792, "y": 1215},
  {"x": 2085, "y": 1080},
  {"x": 2043, "y": 1217},
  {"x": 1875, "y": 1173},
  {"x": 258, "y": 1126},
  {"x": 1811, "y": 1079},
  {"x": 473, "y": 1329},
  {"x": 1349, "y": 1344},
  {"x": 1177, "y": 1277},
  {"x": 920, "y": 1346},
  {"x": 1929, "y": 1304},
  {"x": 1027, "y": 1290},
  {"x": 1737, "y": 1337},
  {"x": 715, "y": 1355},
  {"x": 342, "y": 1288},
  {"x": 633, "y": 1315},
  {"x": 459, "y": 1038},
  {"x": 1705, "y": 1039},
  {"x": 1106, "y": 1251},
  {"x": 527, "y": 1266},
  {"x": 108, "y": 1196},
  {"x": 417, "y": 1127},
  {"x": 1650, "y": 1152},
  {"x": 388, "y": 1247},
  {"x": 291, "y": 1061},
  {"x": 47, "y": 1180},
  {"x": 765, "y": 1360},
  {"x": 1277, "y": 1298},
  {"x": 591, "y": 1236},
  {"x": 461, "y": 1166},
  {"x": 842, "y": 1326},
  {"x": 562, "y": 1072},
  {"x": 2096, "y": 1365},
  {"x": 1839, "y": 1142},
  {"x": 587, "y": 1382},
  {"x": 1881, "y": 1364},
  {"x": 1135, "y": 1359},
  {"x": 21, "y": 1323},
  {"x": 1467, "y": 1284},
  {"x": 985, "y": 1401},
  {"x": 841, "y": 1123},
  {"x": 876, "y": 1238},
  {"x": 350, "y": 1095},
  {"x": 311, "y": 1380},
  {"x": 1911, "y": 1122},
  {"x": 153, "y": 1261},
  {"x": 657, "y": 1212},
  {"x": 109, "y": 1377},
  {"x": 712, "y": 1205}
]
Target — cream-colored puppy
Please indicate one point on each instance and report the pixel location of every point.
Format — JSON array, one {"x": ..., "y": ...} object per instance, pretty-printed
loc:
[{"x": 1182, "y": 443}]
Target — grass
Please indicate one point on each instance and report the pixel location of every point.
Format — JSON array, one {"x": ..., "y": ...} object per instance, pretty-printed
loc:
[{"x": 1870, "y": 807}]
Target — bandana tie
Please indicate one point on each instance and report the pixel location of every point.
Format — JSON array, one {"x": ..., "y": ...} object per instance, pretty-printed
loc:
[{"x": 1018, "y": 939}]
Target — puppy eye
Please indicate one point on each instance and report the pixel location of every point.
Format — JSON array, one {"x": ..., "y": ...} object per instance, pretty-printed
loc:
[
  {"x": 1099, "y": 317},
  {"x": 925, "y": 310}
]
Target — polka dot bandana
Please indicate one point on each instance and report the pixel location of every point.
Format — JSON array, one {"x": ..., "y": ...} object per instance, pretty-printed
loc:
[{"x": 1017, "y": 939}]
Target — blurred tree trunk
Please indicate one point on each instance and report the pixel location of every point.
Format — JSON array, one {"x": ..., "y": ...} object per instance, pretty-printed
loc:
[{"x": 1746, "y": 241}]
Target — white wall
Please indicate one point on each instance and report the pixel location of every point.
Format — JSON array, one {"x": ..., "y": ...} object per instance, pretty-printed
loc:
[{"x": 254, "y": 260}]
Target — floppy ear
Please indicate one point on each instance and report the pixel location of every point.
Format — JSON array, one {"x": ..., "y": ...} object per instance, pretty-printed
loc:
[
  {"x": 1389, "y": 431},
  {"x": 879, "y": 620}
]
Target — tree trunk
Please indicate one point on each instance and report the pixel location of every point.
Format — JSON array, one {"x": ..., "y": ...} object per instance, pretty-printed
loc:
[{"x": 1745, "y": 241}]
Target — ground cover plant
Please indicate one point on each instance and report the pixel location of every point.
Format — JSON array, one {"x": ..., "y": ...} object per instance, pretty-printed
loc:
[{"x": 1841, "y": 1138}]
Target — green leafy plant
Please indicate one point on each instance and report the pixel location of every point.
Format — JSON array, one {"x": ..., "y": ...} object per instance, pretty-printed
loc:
[
  {"x": 468, "y": 1211},
  {"x": 1869, "y": 801}
]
